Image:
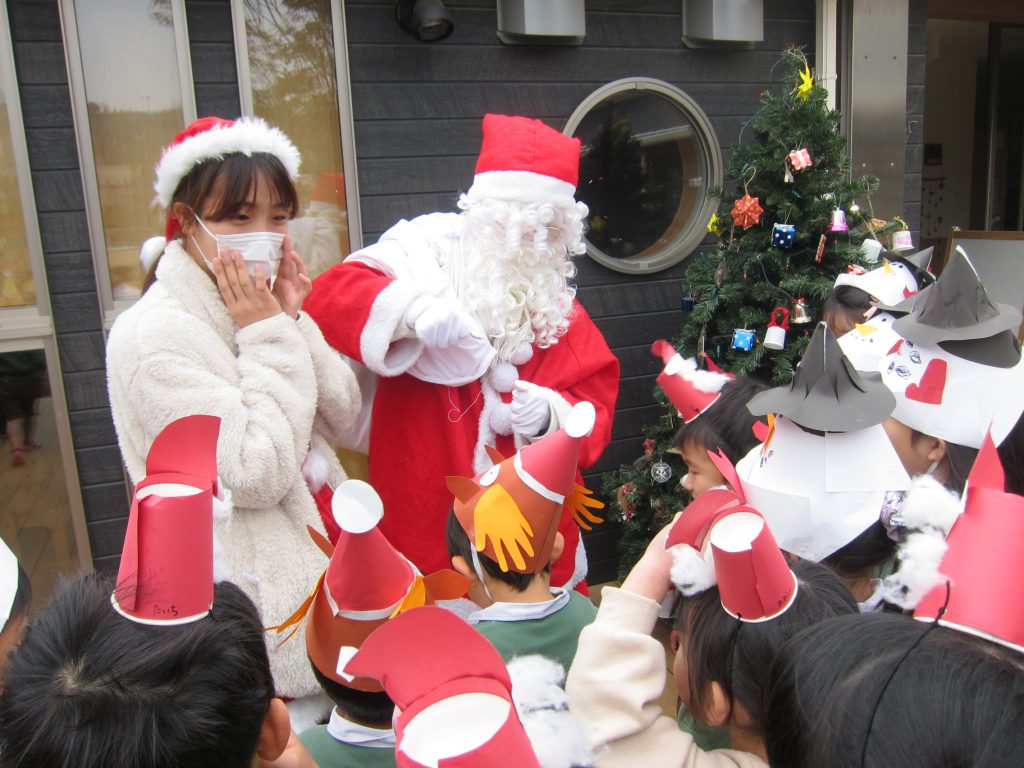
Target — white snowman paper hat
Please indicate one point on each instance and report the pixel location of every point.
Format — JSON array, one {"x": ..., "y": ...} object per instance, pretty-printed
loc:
[
  {"x": 818, "y": 492},
  {"x": 946, "y": 396},
  {"x": 8, "y": 582},
  {"x": 870, "y": 341}
]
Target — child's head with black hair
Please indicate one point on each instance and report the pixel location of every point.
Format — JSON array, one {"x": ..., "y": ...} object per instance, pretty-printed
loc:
[
  {"x": 845, "y": 307},
  {"x": 90, "y": 688},
  {"x": 882, "y": 689},
  {"x": 490, "y": 582},
  {"x": 722, "y": 663},
  {"x": 726, "y": 426},
  {"x": 372, "y": 708}
]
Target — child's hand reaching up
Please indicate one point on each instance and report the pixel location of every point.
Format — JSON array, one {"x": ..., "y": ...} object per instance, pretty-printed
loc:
[{"x": 650, "y": 577}]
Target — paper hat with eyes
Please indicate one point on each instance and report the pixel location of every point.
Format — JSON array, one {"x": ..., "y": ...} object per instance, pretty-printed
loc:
[
  {"x": 9, "y": 569},
  {"x": 821, "y": 489},
  {"x": 511, "y": 512},
  {"x": 754, "y": 581},
  {"x": 212, "y": 138},
  {"x": 166, "y": 571},
  {"x": 870, "y": 341},
  {"x": 691, "y": 391},
  {"x": 890, "y": 283},
  {"x": 451, "y": 689},
  {"x": 525, "y": 160},
  {"x": 959, "y": 369},
  {"x": 367, "y": 581}
]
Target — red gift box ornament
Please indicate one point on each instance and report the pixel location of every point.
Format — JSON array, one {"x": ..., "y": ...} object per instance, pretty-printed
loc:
[
  {"x": 778, "y": 324},
  {"x": 746, "y": 211},
  {"x": 800, "y": 159}
]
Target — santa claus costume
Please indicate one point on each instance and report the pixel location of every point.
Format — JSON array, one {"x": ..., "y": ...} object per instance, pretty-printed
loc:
[{"x": 472, "y": 335}]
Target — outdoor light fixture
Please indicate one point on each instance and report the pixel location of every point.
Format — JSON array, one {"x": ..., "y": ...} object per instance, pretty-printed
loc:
[
  {"x": 718, "y": 23},
  {"x": 426, "y": 20},
  {"x": 541, "y": 22}
]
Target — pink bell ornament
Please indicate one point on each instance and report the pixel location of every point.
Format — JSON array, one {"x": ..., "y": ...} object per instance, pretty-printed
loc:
[{"x": 838, "y": 221}]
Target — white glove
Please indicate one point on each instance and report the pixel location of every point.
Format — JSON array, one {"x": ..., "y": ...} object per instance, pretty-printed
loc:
[
  {"x": 439, "y": 322},
  {"x": 530, "y": 410}
]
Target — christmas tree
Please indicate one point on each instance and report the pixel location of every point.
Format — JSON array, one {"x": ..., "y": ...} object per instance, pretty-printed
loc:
[{"x": 789, "y": 223}]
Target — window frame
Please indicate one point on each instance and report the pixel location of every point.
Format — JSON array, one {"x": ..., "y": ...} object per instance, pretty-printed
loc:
[
  {"x": 705, "y": 135},
  {"x": 109, "y": 306},
  {"x": 343, "y": 86}
]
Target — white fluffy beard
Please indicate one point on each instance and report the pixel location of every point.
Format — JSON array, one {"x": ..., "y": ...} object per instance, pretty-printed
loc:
[{"x": 516, "y": 261}]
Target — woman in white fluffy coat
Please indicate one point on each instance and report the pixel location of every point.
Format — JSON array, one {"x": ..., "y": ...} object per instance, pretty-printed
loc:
[{"x": 217, "y": 342}]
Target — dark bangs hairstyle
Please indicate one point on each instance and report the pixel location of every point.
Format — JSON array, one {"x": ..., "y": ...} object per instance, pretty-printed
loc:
[
  {"x": 721, "y": 649},
  {"x": 91, "y": 689},
  {"x": 459, "y": 545},
  {"x": 218, "y": 188},
  {"x": 372, "y": 708},
  {"x": 846, "y": 303},
  {"x": 726, "y": 426},
  {"x": 857, "y": 686}
]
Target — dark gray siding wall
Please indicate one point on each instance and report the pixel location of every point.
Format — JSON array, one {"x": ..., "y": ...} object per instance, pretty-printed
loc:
[
  {"x": 916, "y": 42},
  {"x": 418, "y": 108},
  {"x": 57, "y": 182}
]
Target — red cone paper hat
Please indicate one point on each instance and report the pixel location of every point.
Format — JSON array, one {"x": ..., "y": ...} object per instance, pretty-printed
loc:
[
  {"x": 694, "y": 524},
  {"x": 213, "y": 138},
  {"x": 754, "y": 580},
  {"x": 527, "y": 161},
  {"x": 511, "y": 512},
  {"x": 452, "y": 688},
  {"x": 166, "y": 571},
  {"x": 367, "y": 581},
  {"x": 691, "y": 391},
  {"x": 982, "y": 560}
]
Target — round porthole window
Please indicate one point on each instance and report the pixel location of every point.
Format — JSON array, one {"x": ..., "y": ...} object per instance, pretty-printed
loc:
[{"x": 648, "y": 158}]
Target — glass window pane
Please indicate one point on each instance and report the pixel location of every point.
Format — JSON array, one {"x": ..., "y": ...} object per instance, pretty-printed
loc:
[
  {"x": 36, "y": 520},
  {"x": 134, "y": 106},
  {"x": 17, "y": 286},
  {"x": 294, "y": 86},
  {"x": 646, "y": 167}
]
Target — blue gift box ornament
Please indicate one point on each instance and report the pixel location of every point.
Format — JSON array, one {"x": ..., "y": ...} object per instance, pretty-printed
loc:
[
  {"x": 743, "y": 339},
  {"x": 782, "y": 235}
]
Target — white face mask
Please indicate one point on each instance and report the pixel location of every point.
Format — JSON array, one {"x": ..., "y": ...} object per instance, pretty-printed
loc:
[{"x": 263, "y": 248}]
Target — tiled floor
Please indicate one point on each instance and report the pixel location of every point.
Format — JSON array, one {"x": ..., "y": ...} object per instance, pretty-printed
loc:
[{"x": 35, "y": 518}]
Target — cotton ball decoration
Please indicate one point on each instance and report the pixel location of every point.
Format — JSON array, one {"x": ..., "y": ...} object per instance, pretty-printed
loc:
[
  {"x": 501, "y": 419},
  {"x": 503, "y": 377}
]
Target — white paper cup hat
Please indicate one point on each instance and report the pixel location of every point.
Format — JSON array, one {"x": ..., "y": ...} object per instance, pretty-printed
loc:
[{"x": 890, "y": 283}]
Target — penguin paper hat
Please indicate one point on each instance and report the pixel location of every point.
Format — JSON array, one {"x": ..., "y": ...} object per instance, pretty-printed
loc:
[
  {"x": 511, "y": 512},
  {"x": 869, "y": 342},
  {"x": 367, "y": 581},
  {"x": 827, "y": 394},
  {"x": 525, "y": 160},
  {"x": 452, "y": 692},
  {"x": 691, "y": 391},
  {"x": 980, "y": 559},
  {"x": 890, "y": 283},
  {"x": 166, "y": 571}
]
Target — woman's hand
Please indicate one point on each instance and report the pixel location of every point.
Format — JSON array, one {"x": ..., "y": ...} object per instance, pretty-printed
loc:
[
  {"x": 248, "y": 299},
  {"x": 293, "y": 284}
]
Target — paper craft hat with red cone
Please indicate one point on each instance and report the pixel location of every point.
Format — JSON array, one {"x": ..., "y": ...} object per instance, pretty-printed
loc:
[
  {"x": 525, "y": 160},
  {"x": 367, "y": 581},
  {"x": 982, "y": 562},
  {"x": 691, "y": 390},
  {"x": 166, "y": 571},
  {"x": 452, "y": 689},
  {"x": 511, "y": 512},
  {"x": 754, "y": 581}
]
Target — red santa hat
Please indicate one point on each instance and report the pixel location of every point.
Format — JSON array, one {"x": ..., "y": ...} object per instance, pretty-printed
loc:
[
  {"x": 166, "y": 571},
  {"x": 367, "y": 581},
  {"x": 511, "y": 512},
  {"x": 212, "y": 138},
  {"x": 691, "y": 391},
  {"x": 525, "y": 160},
  {"x": 981, "y": 563},
  {"x": 451, "y": 688}
]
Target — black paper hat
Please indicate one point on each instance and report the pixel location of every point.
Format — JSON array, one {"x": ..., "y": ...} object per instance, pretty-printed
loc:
[
  {"x": 827, "y": 393},
  {"x": 956, "y": 308}
]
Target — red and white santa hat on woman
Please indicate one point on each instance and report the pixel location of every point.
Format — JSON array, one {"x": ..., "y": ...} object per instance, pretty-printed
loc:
[
  {"x": 452, "y": 692},
  {"x": 527, "y": 161},
  {"x": 212, "y": 138}
]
